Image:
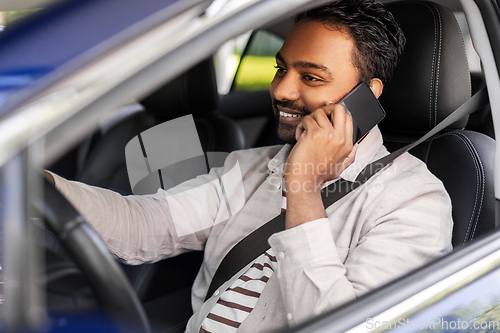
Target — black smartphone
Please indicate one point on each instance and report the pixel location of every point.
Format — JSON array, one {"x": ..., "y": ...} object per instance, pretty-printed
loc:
[{"x": 365, "y": 109}]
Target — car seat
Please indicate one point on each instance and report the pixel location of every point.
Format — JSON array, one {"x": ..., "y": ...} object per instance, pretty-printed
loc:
[
  {"x": 431, "y": 81},
  {"x": 194, "y": 92},
  {"x": 480, "y": 120}
]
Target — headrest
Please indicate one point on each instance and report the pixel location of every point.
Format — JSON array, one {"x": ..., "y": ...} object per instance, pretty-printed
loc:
[
  {"x": 193, "y": 92},
  {"x": 432, "y": 79}
]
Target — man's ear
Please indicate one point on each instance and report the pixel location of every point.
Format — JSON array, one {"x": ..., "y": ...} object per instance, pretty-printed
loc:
[{"x": 376, "y": 86}]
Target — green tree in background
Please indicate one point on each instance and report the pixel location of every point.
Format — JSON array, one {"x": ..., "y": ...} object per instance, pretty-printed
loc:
[
  {"x": 488, "y": 321},
  {"x": 453, "y": 322}
]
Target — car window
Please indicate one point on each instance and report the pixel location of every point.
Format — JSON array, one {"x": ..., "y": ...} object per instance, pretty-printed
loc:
[
  {"x": 227, "y": 59},
  {"x": 256, "y": 68},
  {"x": 473, "y": 308},
  {"x": 8, "y": 17},
  {"x": 251, "y": 68}
]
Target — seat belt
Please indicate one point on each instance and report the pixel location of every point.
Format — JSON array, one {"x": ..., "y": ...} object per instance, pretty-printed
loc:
[{"x": 253, "y": 245}]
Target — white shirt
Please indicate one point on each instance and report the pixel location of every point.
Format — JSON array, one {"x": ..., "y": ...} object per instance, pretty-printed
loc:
[{"x": 398, "y": 220}]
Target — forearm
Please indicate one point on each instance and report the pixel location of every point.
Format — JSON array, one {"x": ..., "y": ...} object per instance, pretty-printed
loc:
[
  {"x": 312, "y": 277},
  {"x": 135, "y": 229},
  {"x": 304, "y": 202}
]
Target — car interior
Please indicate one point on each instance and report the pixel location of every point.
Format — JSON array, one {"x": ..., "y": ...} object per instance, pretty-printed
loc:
[{"x": 431, "y": 81}]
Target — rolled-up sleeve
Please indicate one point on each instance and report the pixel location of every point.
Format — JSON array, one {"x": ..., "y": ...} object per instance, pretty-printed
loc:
[{"x": 139, "y": 229}]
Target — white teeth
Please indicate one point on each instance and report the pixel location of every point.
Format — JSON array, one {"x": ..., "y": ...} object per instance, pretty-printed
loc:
[{"x": 284, "y": 114}]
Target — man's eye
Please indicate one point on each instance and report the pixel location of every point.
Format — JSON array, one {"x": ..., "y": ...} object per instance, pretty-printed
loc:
[
  {"x": 310, "y": 78},
  {"x": 280, "y": 69}
]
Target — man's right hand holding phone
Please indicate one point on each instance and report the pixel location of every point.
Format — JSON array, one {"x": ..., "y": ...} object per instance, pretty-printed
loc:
[{"x": 323, "y": 150}]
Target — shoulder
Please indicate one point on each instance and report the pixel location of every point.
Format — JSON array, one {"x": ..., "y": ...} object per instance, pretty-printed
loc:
[
  {"x": 416, "y": 171},
  {"x": 409, "y": 196},
  {"x": 405, "y": 182},
  {"x": 406, "y": 179},
  {"x": 408, "y": 172}
]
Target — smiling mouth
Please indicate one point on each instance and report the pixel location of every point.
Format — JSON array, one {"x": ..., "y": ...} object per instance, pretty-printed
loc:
[{"x": 284, "y": 114}]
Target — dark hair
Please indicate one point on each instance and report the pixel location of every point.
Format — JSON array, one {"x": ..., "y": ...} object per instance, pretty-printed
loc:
[{"x": 378, "y": 37}]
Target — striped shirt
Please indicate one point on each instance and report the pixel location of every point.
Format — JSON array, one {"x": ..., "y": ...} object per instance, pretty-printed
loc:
[{"x": 237, "y": 301}]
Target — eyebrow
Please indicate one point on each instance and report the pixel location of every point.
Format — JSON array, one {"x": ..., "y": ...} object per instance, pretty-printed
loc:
[{"x": 305, "y": 64}]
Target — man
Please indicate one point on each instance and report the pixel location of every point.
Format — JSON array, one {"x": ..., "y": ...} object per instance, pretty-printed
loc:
[{"x": 399, "y": 219}]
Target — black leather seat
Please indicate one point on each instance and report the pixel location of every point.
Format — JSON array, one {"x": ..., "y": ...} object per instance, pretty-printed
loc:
[
  {"x": 432, "y": 81},
  {"x": 194, "y": 92}
]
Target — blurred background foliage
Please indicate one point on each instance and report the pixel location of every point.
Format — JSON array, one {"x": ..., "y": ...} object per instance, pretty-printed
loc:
[{"x": 7, "y": 17}]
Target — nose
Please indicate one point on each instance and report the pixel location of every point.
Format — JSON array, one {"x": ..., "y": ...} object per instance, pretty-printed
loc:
[{"x": 285, "y": 88}]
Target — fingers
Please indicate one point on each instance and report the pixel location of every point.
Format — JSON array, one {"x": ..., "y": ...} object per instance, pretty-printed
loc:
[
  {"x": 341, "y": 120},
  {"x": 307, "y": 123},
  {"x": 325, "y": 135},
  {"x": 329, "y": 117},
  {"x": 312, "y": 122},
  {"x": 332, "y": 114}
]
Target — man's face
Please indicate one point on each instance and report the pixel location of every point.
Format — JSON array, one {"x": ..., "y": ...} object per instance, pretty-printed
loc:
[{"x": 315, "y": 65}]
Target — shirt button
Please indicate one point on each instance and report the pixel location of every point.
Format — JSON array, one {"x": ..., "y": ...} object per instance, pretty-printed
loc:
[
  {"x": 278, "y": 186},
  {"x": 289, "y": 316},
  {"x": 216, "y": 293},
  {"x": 281, "y": 255}
]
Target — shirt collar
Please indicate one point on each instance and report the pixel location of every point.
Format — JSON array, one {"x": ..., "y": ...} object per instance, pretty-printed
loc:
[{"x": 367, "y": 150}]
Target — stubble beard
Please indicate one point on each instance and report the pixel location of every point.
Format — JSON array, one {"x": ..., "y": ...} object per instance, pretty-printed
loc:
[{"x": 286, "y": 132}]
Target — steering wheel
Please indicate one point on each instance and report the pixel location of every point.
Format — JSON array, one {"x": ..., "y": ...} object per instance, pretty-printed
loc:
[{"x": 106, "y": 278}]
